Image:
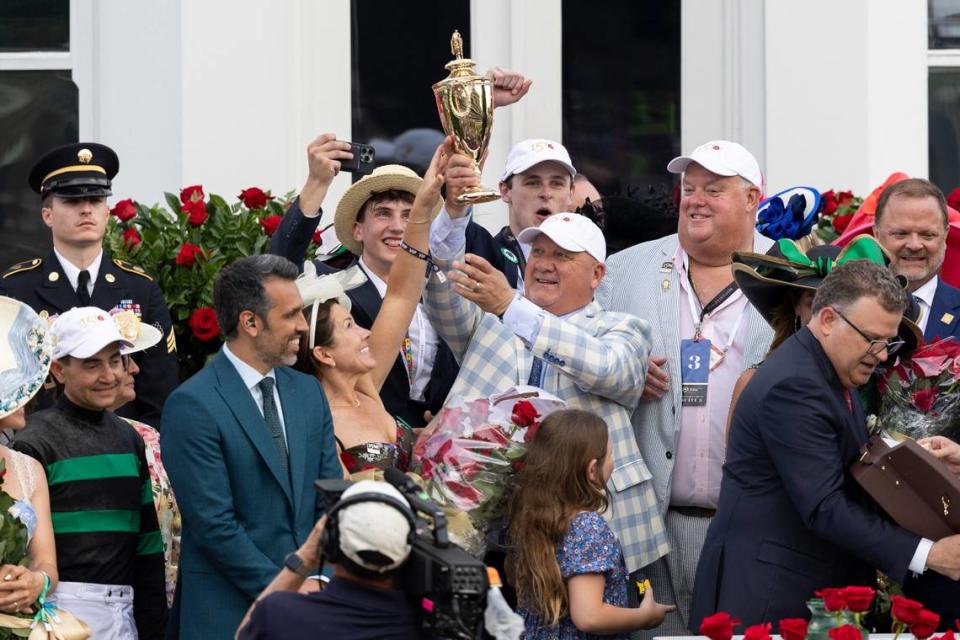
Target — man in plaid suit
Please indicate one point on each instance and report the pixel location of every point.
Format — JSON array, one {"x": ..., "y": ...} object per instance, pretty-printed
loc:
[{"x": 554, "y": 337}]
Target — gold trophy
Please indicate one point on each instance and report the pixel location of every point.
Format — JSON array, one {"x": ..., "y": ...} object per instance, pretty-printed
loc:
[{"x": 465, "y": 103}]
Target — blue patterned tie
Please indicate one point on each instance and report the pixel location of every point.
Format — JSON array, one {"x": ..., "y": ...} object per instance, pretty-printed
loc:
[
  {"x": 536, "y": 373},
  {"x": 272, "y": 417}
]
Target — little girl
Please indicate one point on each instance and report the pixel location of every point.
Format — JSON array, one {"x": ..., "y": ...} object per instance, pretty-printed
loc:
[{"x": 566, "y": 563}]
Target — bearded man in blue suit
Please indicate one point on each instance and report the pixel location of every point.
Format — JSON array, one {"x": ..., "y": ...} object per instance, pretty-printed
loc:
[
  {"x": 243, "y": 441},
  {"x": 911, "y": 223}
]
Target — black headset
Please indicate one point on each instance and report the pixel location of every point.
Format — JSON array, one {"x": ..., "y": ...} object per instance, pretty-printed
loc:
[{"x": 330, "y": 539}]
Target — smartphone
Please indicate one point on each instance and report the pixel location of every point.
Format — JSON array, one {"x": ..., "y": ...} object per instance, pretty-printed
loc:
[{"x": 362, "y": 162}]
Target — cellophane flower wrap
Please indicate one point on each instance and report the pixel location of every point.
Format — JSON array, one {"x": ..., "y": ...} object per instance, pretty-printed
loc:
[
  {"x": 918, "y": 398},
  {"x": 470, "y": 452}
]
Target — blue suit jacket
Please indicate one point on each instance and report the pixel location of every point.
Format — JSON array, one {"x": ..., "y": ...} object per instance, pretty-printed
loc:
[
  {"x": 944, "y": 314},
  {"x": 241, "y": 512},
  {"x": 791, "y": 519}
]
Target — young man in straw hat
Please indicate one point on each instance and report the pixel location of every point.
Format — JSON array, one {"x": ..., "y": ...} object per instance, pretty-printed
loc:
[{"x": 369, "y": 221}]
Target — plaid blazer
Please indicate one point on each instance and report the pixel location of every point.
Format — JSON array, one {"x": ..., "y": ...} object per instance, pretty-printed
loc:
[
  {"x": 635, "y": 284},
  {"x": 597, "y": 362}
]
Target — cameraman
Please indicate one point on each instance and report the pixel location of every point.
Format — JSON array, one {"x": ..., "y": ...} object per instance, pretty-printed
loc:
[{"x": 370, "y": 542}]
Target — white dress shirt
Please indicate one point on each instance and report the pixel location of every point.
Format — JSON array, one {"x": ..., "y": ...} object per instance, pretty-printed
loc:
[
  {"x": 73, "y": 272},
  {"x": 251, "y": 380}
]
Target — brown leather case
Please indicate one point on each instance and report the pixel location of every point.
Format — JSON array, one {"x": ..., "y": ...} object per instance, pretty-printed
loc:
[{"x": 913, "y": 487}]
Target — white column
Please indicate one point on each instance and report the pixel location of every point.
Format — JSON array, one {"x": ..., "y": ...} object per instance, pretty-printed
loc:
[{"x": 525, "y": 36}]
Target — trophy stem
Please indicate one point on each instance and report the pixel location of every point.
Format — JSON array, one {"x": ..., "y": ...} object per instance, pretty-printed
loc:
[{"x": 477, "y": 195}]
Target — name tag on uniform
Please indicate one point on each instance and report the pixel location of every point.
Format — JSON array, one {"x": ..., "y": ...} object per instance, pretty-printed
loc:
[{"x": 694, "y": 371}]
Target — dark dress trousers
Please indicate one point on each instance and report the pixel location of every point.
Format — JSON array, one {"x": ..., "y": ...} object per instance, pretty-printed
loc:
[
  {"x": 291, "y": 241},
  {"x": 791, "y": 519},
  {"x": 42, "y": 284}
]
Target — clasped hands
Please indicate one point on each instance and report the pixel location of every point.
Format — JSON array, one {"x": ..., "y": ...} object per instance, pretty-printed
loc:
[{"x": 19, "y": 588}]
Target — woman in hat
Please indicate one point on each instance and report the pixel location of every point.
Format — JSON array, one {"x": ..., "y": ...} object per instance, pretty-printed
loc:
[
  {"x": 25, "y": 355},
  {"x": 782, "y": 283},
  {"x": 143, "y": 336},
  {"x": 352, "y": 362}
]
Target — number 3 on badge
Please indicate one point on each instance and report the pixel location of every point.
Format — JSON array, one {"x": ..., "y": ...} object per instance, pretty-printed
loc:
[
  {"x": 693, "y": 363},
  {"x": 694, "y": 354}
]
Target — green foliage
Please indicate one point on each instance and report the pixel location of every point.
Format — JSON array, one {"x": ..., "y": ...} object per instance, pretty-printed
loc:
[{"x": 230, "y": 231}]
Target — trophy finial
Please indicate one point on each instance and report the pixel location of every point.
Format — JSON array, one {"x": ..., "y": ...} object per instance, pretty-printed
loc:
[{"x": 456, "y": 45}]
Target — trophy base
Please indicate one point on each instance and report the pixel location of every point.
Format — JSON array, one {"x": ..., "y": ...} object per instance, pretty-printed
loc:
[{"x": 477, "y": 195}]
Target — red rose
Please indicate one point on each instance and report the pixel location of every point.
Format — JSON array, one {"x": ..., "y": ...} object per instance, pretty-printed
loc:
[
  {"x": 953, "y": 199},
  {"x": 845, "y": 198},
  {"x": 793, "y": 628},
  {"x": 845, "y": 632},
  {"x": 905, "y": 610},
  {"x": 830, "y": 204},
  {"x": 187, "y": 256},
  {"x": 758, "y": 632},
  {"x": 923, "y": 398},
  {"x": 524, "y": 414},
  {"x": 719, "y": 626},
  {"x": 254, "y": 198},
  {"x": 492, "y": 434},
  {"x": 465, "y": 491},
  {"x": 531, "y": 432},
  {"x": 191, "y": 194},
  {"x": 517, "y": 466},
  {"x": 925, "y": 625},
  {"x": 270, "y": 224},
  {"x": 858, "y": 599},
  {"x": 833, "y": 599},
  {"x": 124, "y": 210},
  {"x": 317, "y": 240},
  {"x": 196, "y": 212},
  {"x": 840, "y": 222},
  {"x": 131, "y": 238},
  {"x": 203, "y": 323},
  {"x": 948, "y": 634}
]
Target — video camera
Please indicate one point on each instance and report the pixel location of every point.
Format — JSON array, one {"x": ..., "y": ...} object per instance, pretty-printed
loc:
[{"x": 447, "y": 586}]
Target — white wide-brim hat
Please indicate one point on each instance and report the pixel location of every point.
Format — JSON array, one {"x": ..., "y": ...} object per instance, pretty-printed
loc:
[{"x": 26, "y": 350}]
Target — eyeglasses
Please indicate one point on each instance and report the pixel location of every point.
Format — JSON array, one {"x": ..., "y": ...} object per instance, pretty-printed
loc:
[{"x": 874, "y": 346}]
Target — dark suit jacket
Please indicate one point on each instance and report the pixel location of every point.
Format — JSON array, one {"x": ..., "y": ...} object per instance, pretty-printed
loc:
[
  {"x": 791, "y": 519},
  {"x": 242, "y": 513},
  {"x": 511, "y": 255},
  {"x": 43, "y": 285},
  {"x": 944, "y": 318},
  {"x": 291, "y": 241}
]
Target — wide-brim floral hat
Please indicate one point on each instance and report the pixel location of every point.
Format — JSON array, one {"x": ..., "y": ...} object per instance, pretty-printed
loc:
[
  {"x": 768, "y": 279},
  {"x": 26, "y": 350}
]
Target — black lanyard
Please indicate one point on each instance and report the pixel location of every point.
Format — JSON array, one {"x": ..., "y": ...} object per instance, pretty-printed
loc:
[{"x": 717, "y": 300}]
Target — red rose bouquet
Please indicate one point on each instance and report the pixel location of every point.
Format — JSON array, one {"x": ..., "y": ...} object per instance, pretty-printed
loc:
[
  {"x": 919, "y": 398},
  {"x": 469, "y": 453},
  {"x": 836, "y": 212}
]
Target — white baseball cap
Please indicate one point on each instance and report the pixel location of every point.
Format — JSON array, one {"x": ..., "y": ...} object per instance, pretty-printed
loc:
[
  {"x": 534, "y": 151},
  {"x": 572, "y": 231},
  {"x": 371, "y": 529},
  {"x": 723, "y": 158},
  {"x": 83, "y": 331}
]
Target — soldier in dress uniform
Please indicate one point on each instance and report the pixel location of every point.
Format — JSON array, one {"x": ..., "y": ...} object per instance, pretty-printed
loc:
[{"x": 73, "y": 182}]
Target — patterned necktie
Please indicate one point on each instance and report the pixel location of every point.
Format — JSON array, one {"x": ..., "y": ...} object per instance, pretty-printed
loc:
[
  {"x": 536, "y": 373},
  {"x": 272, "y": 418},
  {"x": 83, "y": 294},
  {"x": 919, "y": 302}
]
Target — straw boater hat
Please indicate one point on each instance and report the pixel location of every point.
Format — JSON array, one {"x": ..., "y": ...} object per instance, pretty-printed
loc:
[
  {"x": 386, "y": 178},
  {"x": 26, "y": 350},
  {"x": 767, "y": 279}
]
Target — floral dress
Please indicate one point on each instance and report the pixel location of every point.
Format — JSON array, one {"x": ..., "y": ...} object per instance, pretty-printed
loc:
[
  {"x": 380, "y": 455},
  {"x": 168, "y": 515},
  {"x": 589, "y": 546}
]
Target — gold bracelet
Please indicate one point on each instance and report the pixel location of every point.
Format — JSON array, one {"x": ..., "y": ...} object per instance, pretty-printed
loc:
[{"x": 427, "y": 221}]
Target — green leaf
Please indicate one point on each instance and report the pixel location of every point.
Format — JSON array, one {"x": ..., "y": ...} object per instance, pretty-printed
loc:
[{"x": 172, "y": 201}]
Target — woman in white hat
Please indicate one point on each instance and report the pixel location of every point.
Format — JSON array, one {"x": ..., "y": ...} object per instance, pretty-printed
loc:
[
  {"x": 25, "y": 356},
  {"x": 352, "y": 362},
  {"x": 143, "y": 336}
]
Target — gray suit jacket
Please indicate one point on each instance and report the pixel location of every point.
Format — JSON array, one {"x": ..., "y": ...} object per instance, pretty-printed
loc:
[{"x": 634, "y": 284}]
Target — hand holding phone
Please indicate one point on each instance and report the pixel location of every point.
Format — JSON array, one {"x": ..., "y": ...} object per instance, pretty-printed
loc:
[{"x": 362, "y": 161}]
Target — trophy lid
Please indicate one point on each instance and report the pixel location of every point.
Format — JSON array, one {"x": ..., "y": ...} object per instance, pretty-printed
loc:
[{"x": 459, "y": 67}]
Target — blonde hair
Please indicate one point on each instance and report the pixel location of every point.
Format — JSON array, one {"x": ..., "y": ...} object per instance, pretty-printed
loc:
[{"x": 552, "y": 487}]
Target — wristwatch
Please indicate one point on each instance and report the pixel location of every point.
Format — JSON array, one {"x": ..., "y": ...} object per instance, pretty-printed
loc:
[{"x": 295, "y": 563}]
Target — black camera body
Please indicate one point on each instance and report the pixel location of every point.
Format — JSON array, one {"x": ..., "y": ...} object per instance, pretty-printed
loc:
[{"x": 446, "y": 585}]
